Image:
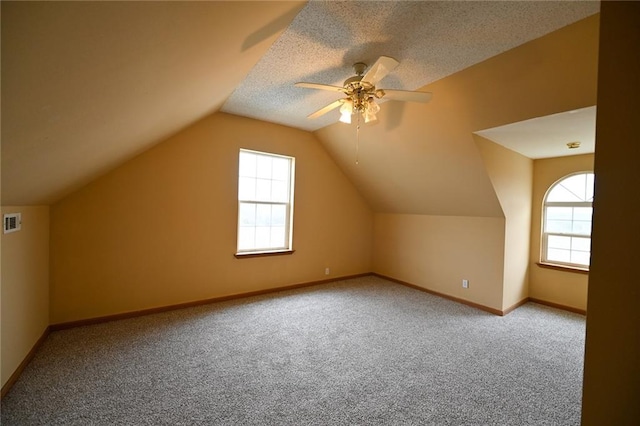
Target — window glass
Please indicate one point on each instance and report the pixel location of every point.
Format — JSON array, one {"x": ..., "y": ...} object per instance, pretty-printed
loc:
[
  {"x": 265, "y": 199},
  {"x": 567, "y": 213},
  {"x": 573, "y": 188}
]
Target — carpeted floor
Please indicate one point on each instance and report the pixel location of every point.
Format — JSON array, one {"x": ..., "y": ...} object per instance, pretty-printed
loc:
[{"x": 360, "y": 351}]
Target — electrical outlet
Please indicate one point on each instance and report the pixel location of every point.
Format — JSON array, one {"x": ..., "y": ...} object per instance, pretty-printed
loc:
[
  {"x": 465, "y": 283},
  {"x": 326, "y": 271}
]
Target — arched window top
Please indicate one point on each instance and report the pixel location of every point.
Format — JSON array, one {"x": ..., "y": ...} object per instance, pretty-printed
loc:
[{"x": 574, "y": 188}]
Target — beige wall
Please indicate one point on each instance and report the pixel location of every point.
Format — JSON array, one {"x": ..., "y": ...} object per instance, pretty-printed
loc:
[
  {"x": 161, "y": 229},
  {"x": 422, "y": 160},
  {"x": 612, "y": 368},
  {"x": 25, "y": 285},
  {"x": 438, "y": 252},
  {"x": 562, "y": 287},
  {"x": 512, "y": 177}
]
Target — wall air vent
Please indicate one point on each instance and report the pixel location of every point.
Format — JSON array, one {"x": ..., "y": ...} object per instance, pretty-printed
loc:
[{"x": 12, "y": 222}]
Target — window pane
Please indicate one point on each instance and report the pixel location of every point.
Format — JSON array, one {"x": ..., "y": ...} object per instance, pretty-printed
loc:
[
  {"x": 559, "y": 255},
  {"x": 263, "y": 190},
  {"x": 264, "y": 167},
  {"x": 568, "y": 216},
  {"x": 555, "y": 241},
  {"x": 263, "y": 237},
  {"x": 246, "y": 188},
  {"x": 561, "y": 213},
  {"x": 278, "y": 215},
  {"x": 590, "y": 186},
  {"x": 573, "y": 188},
  {"x": 263, "y": 215},
  {"x": 581, "y": 244},
  {"x": 576, "y": 185},
  {"x": 277, "y": 236},
  {"x": 264, "y": 193},
  {"x": 279, "y": 191},
  {"x": 281, "y": 169},
  {"x": 582, "y": 213},
  {"x": 580, "y": 257},
  {"x": 560, "y": 193},
  {"x": 559, "y": 226},
  {"x": 246, "y": 238},
  {"x": 247, "y": 164},
  {"x": 247, "y": 214},
  {"x": 582, "y": 227}
]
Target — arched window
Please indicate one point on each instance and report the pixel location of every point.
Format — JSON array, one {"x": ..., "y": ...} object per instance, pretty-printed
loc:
[{"x": 566, "y": 228}]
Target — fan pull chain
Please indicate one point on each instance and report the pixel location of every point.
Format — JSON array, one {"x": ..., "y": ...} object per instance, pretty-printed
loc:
[{"x": 357, "y": 139}]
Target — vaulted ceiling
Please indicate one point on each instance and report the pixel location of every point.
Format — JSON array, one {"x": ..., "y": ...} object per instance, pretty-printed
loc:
[
  {"x": 430, "y": 39},
  {"x": 88, "y": 85}
]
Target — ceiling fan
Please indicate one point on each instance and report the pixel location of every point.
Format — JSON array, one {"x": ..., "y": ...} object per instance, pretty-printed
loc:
[{"x": 362, "y": 93}]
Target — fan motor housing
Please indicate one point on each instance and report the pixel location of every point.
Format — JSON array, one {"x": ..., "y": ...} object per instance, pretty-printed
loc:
[{"x": 359, "y": 68}]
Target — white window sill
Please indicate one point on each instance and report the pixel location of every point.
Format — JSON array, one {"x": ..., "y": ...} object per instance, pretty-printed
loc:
[
  {"x": 566, "y": 268},
  {"x": 246, "y": 255}
]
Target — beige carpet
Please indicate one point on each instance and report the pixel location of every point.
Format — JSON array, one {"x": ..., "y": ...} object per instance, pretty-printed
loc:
[{"x": 361, "y": 351}]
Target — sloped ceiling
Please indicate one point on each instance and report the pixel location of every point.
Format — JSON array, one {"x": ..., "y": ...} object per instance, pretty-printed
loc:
[
  {"x": 88, "y": 85},
  {"x": 422, "y": 159},
  {"x": 430, "y": 39}
]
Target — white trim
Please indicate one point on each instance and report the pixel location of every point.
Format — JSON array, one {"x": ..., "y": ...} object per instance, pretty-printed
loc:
[
  {"x": 544, "y": 245},
  {"x": 568, "y": 204},
  {"x": 288, "y": 246}
]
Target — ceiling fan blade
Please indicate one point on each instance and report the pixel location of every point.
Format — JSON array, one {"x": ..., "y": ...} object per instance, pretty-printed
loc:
[
  {"x": 322, "y": 111},
  {"x": 383, "y": 66},
  {"x": 405, "y": 95},
  {"x": 320, "y": 86}
]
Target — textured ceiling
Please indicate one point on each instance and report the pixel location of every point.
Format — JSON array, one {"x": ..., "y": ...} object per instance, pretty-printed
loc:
[
  {"x": 547, "y": 137},
  {"x": 88, "y": 85},
  {"x": 430, "y": 39}
]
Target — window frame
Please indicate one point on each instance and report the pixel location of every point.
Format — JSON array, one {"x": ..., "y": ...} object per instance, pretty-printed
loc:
[
  {"x": 544, "y": 235},
  {"x": 287, "y": 248}
]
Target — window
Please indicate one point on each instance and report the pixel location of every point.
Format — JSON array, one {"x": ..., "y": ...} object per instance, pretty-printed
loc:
[
  {"x": 265, "y": 202},
  {"x": 566, "y": 230}
]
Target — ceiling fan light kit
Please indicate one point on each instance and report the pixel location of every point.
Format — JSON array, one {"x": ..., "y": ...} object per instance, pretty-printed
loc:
[
  {"x": 368, "y": 108},
  {"x": 346, "y": 110},
  {"x": 361, "y": 92}
]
